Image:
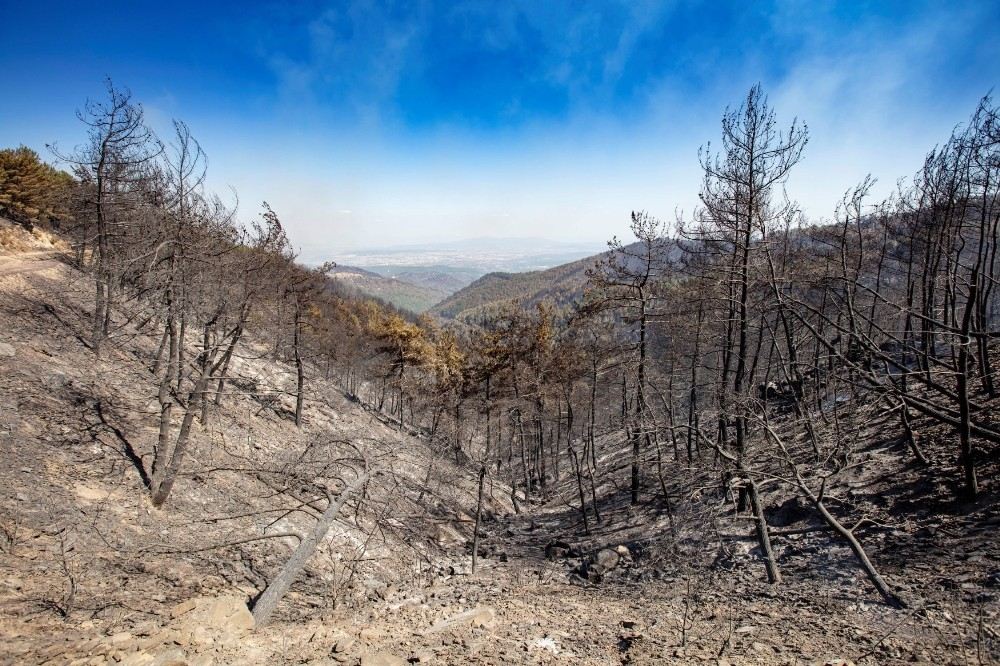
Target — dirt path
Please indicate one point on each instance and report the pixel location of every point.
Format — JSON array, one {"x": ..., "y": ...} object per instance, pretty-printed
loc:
[{"x": 28, "y": 262}]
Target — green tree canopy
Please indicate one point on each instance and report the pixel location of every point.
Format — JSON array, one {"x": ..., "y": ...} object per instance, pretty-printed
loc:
[{"x": 31, "y": 191}]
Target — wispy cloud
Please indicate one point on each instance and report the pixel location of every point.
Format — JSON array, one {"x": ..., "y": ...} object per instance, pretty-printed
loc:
[
  {"x": 873, "y": 93},
  {"x": 468, "y": 61},
  {"x": 430, "y": 119}
]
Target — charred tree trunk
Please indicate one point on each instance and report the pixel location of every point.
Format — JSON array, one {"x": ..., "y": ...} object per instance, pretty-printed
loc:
[
  {"x": 265, "y": 604},
  {"x": 299, "y": 367},
  {"x": 479, "y": 513},
  {"x": 577, "y": 468},
  {"x": 763, "y": 535}
]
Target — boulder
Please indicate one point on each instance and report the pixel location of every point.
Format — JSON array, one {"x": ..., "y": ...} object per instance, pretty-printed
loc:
[
  {"x": 375, "y": 589},
  {"x": 229, "y": 613},
  {"x": 607, "y": 558},
  {"x": 592, "y": 571},
  {"x": 183, "y": 608},
  {"x": 594, "y": 568},
  {"x": 422, "y": 657},
  {"x": 138, "y": 659},
  {"x": 203, "y": 621},
  {"x": 343, "y": 644},
  {"x": 201, "y": 636},
  {"x": 121, "y": 638}
]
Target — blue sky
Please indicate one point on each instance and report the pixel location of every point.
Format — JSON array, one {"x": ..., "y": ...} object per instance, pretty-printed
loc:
[{"x": 374, "y": 123}]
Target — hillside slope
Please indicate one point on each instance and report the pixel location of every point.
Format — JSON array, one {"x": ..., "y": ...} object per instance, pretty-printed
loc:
[
  {"x": 90, "y": 573},
  {"x": 440, "y": 278},
  {"x": 561, "y": 284},
  {"x": 84, "y": 555}
]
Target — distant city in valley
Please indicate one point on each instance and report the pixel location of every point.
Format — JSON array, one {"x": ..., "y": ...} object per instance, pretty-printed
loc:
[{"x": 475, "y": 255}]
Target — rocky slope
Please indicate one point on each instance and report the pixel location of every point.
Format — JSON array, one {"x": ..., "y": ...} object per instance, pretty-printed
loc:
[
  {"x": 90, "y": 573},
  {"x": 82, "y": 549}
]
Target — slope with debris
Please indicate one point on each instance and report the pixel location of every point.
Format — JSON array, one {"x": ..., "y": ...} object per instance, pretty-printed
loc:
[
  {"x": 90, "y": 573},
  {"x": 83, "y": 549}
]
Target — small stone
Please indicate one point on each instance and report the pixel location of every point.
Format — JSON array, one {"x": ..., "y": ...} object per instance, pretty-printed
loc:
[
  {"x": 174, "y": 657},
  {"x": 138, "y": 659},
  {"x": 424, "y": 657},
  {"x": 183, "y": 607},
  {"x": 343, "y": 644},
  {"x": 381, "y": 659},
  {"x": 547, "y": 643},
  {"x": 607, "y": 558},
  {"x": 477, "y": 617}
]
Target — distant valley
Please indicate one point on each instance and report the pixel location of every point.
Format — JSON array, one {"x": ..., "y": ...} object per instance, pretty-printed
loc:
[
  {"x": 402, "y": 294},
  {"x": 442, "y": 279},
  {"x": 419, "y": 277}
]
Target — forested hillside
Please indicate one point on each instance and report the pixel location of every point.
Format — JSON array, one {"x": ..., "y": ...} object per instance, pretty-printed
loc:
[
  {"x": 444, "y": 279},
  {"x": 561, "y": 285},
  {"x": 746, "y": 437}
]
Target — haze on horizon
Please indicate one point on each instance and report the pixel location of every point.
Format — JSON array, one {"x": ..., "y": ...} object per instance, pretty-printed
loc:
[{"x": 372, "y": 124}]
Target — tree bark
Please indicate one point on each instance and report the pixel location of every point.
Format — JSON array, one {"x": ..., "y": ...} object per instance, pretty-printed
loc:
[{"x": 763, "y": 536}]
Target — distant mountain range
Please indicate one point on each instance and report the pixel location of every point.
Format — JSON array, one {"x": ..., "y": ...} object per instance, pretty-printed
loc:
[
  {"x": 484, "y": 255},
  {"x": 444, "y": 279}
]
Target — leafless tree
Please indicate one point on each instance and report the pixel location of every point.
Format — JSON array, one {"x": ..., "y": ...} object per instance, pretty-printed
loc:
[{"x": 114, "y": 162}]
